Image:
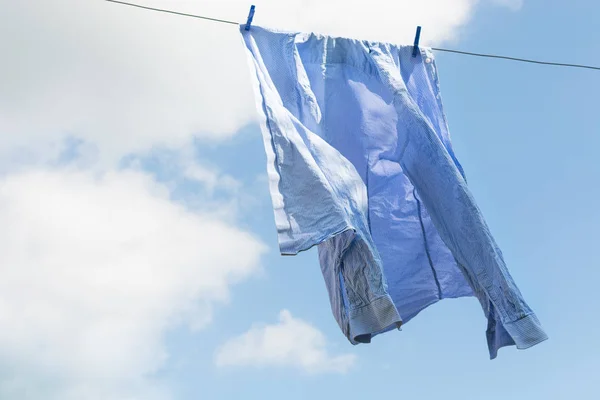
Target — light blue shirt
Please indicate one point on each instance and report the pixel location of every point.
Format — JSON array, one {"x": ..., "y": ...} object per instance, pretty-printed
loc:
[{"x": 360, "y": 163}]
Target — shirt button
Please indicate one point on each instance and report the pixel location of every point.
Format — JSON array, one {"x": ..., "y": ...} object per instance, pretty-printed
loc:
[{"x": 428, "y": 60}]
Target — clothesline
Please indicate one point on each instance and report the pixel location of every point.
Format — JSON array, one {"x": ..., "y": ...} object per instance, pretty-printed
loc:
[{"x": 433, "y": 48}]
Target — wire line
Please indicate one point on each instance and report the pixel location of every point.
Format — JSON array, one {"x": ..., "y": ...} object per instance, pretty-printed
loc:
[
  {"x": 517, "y": 59},
  {"x": 173, "y": 12},
  {"x": 433, "y": 48}
]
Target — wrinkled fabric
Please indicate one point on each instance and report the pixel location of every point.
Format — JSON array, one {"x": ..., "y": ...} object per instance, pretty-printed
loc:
[{"x": 360, "y": 164}]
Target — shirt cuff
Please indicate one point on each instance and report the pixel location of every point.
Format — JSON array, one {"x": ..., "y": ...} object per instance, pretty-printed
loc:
[
  {"x": 376, "y": 317},
  {"x": 524, "y": 333}
]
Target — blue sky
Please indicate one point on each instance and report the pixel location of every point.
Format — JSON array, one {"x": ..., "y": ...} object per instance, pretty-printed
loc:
[{"x": 191, "y": 194}]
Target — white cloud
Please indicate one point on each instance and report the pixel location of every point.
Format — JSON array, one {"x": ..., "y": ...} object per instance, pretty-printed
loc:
[
  {"x": 513, "y": 5},
  {"x": 96, "y": 266},
  {"x": 291, "y": 342},
  {"x": 125, "y": 79},
  {"x": 94, "y": 271},
  {"x": 211, "y": 190},
  {"x": 211, "y": 177}
]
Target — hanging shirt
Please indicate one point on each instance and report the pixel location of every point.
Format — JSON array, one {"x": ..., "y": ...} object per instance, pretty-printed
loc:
[{"x": 360, "y": 163}]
